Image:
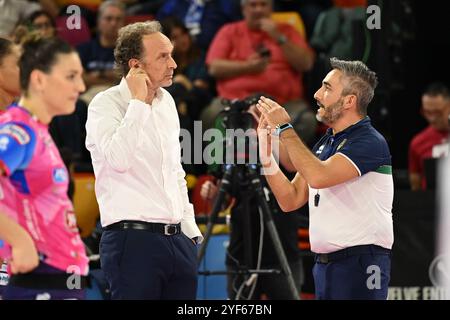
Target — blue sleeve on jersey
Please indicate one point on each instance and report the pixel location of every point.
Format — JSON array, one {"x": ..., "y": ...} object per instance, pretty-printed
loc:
[
  {"x": 368, "y": 152},
  {"x": 17, "y": 144}
]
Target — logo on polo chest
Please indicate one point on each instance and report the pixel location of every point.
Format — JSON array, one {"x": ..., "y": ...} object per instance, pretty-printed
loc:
[
  {"x": 341, "y": 144},
  {"x": 60, "y": 175}
]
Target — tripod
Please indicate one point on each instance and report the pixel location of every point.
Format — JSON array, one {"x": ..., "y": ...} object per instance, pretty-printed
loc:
[{"x": 256, "y": 186}]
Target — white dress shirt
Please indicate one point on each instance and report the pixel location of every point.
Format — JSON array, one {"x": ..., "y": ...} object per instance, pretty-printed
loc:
[{"x": 136, "y": 156}]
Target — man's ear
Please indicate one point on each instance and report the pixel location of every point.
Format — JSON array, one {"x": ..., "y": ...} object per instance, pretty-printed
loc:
[
  {"x": 350, "y": 100},
  {"x": 133, "y": 63}
]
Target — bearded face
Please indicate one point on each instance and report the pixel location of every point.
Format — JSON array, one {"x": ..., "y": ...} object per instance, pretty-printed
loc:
[{"x": 330, "y": 114}]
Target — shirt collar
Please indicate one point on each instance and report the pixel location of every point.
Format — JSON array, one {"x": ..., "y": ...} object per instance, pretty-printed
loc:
[{"x": 361, "y": 123}]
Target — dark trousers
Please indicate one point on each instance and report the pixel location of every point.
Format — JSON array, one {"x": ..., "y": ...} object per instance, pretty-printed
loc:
[
  {"x": 362, "y": 276},
  {"x": 139, "y": 264}
]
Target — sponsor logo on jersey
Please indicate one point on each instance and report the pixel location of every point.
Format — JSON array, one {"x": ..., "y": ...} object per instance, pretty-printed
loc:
[
  {"x": 71, "y": 221},
  {"x": 17, "y": 132},
  {"x": 60, "y": 175}
]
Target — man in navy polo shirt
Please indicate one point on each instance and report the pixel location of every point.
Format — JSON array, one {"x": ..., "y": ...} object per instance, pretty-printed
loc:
[{"x": 347, "y": 180}]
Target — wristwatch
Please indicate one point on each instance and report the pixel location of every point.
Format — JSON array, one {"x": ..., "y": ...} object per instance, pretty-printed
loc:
[
  {"x": 282, "y": 39},
  {"x": 281, "y": 127}
]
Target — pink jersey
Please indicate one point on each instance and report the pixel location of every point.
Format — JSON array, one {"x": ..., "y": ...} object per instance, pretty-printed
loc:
[{"x": 34, "y": 191}]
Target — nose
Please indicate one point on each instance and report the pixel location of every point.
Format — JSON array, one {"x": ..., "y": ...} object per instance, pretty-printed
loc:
[
  {"x": 172, "y": 63},
  {"x": 316, "y": 95},
  {"x": 81, "y": 87}
]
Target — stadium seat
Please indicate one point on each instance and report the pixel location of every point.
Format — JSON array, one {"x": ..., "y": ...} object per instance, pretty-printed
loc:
[
  {"x": 291, "y": 17},
  {"x": 73, "y": 36},
  {"x": 85, "y": 203}
]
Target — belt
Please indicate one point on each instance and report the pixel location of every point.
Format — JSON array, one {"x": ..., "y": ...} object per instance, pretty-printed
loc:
[
  {"x": 351, "y": 251},
  {"x": 166, "y": 229},
  {"x": 42, "y": 281}
]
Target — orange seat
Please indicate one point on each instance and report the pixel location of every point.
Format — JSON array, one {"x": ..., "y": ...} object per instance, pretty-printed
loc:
[
  {"x": 85, "y": 203},
  {"x": 293, "y": 18},
  {"x": 303, "y": 239}
]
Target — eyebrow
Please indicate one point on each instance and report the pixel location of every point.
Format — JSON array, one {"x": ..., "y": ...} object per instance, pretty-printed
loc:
[{"x": 327, "y": 84}]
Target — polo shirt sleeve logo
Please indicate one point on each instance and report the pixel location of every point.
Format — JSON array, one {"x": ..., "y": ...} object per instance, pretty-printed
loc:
[{"x": 18, "y": 133}]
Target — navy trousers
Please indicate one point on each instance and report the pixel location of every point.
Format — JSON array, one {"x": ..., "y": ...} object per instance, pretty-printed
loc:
[
  {"x": 139, "y": 264},
  {"x": 362, "y": 276}
]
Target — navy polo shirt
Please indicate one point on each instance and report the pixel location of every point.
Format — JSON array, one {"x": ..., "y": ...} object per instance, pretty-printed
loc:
[{"x": 360, "y": 143}]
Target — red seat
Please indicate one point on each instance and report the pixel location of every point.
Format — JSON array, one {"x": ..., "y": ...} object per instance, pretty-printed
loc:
[{"x": 73, "y": 36}]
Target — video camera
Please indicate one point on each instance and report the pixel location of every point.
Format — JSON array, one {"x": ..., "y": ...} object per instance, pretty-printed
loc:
[
  {"x": 235, "y": 114},
  {"x": 240, "y": 138}
]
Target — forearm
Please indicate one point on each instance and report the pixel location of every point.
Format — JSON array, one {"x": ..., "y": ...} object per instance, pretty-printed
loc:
[
  {"x": 220, "y": 69},
  {"x": 288, "y": 195},
  {"x": 311, "y": 168},
  {"x": 299, "y": 58},
  {"x": 12, "y": 232},
  {"x": 284, "y": 159}
]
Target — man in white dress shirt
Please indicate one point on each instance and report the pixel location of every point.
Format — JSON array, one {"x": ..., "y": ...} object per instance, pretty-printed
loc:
[{"x": 148, "y": 249}]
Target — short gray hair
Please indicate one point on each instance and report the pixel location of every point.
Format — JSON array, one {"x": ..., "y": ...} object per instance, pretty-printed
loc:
[
  {"x": 361, "y": 81},
  {"x": 129, "y": 43}
]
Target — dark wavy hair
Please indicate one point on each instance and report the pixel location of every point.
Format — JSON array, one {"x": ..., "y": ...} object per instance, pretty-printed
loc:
[
  {"x": 5, "y": 48},
  {"x": 129, "y": 43},
  {"x": 40, "y": 54}
]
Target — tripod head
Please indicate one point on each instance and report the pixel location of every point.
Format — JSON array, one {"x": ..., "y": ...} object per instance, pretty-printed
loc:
[{"x": 235, "y": 114}]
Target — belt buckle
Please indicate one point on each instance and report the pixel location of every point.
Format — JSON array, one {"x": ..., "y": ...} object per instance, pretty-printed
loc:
[
  {"x": 170, "y": 230},
  {"x": 323, "y": 258}
]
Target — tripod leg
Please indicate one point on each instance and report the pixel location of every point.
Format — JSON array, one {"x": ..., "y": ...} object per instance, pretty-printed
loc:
[
  {"x": 256, "y": 183},
  {"x": 226, "y": 183}
]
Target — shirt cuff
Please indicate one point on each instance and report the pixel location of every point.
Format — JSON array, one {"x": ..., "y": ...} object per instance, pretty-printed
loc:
[{"x": 191, "y": 230}]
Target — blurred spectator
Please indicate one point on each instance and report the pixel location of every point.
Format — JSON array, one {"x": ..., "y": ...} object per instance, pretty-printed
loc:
[
  {"x": 9, "y": 72},
  {"x": 432, "y": 142},
  {"x": 257, "y": 55},
  {"x": 97, "y": 55},
  {"x": 191, "y": 83},
  {"x": 40, "y": 22},
  {"x": 12, "y": 11},
  {"x": 203, "y": 18}
]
